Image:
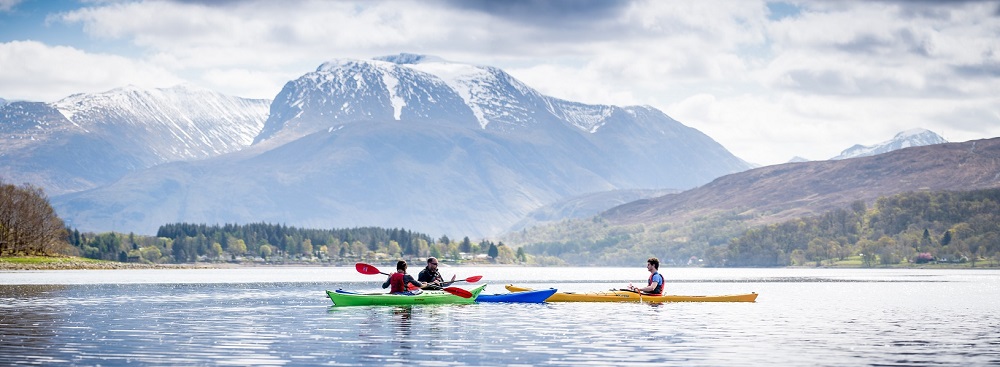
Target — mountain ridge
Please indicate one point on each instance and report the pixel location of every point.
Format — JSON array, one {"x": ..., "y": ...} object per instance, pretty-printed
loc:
[
  {"x": 87, "y": 140},
  {"x": 786, "y": 191}
]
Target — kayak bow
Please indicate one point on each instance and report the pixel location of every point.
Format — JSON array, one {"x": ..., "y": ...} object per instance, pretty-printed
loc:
[{"x": 532, "y": 296}]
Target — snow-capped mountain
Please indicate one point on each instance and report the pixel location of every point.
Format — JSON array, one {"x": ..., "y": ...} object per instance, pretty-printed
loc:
[
  {"x": 905, "y": 139},
  {"x": 87, "y": 140},
  {"x": 414, "y": 142},
  {"x": 175, "y": 124},
  {"x": 411, "y": 87}
]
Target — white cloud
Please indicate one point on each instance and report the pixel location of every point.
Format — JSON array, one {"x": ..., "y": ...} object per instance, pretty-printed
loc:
[
  {"x": 8, "y": 5},
  {"x": 36, "y": 72},
  {"x": 823, "y": 77},
  {"x": 275, "y": 33}
]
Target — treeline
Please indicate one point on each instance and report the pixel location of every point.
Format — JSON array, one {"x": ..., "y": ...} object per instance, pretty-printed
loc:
[
  {"x": 256, "y": 242},
  {"x": 596, "y": 242},
  {"x": 913, "y": 227},
  {"x": 28, "y": 224}
]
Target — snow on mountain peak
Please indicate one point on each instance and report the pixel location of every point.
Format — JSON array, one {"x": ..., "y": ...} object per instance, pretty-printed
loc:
[
  {"x": 911, "y": 133},
  {"x": 419, "y": 87},
  {"x": 470, "y": 82},
  {"x": 905, "y": 139},
  {"x": 201, "y": 122}
]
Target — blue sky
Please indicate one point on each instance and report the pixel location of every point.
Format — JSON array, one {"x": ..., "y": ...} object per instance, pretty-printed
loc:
[{"x": 768, "y": 80}]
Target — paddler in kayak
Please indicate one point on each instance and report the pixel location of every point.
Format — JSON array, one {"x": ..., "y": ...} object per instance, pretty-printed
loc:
[
  {"x": 431, "y": 277},
  {"x": 400, "y": 280},
  {"x": 654, "y": 287}
]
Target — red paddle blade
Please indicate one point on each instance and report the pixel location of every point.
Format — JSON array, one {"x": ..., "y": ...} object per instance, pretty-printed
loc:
[
  {"x": 458, "y": 292},
  {"x": 474, "y": 279},
  {"x": 366, "y": 269}
]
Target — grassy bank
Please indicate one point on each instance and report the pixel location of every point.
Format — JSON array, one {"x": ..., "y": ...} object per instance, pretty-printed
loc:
[{"x": 72, "y": 262}]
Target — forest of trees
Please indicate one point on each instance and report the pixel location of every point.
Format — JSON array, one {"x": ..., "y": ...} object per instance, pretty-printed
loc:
[
  {"x": 913, "y": 227},
  {"x": 28, "y": 224},
  {"x": 916, "y": 227},
  {"x": 273, "y": 243}
]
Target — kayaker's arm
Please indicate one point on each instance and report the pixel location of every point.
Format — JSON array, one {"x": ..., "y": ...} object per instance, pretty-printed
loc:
[
  {"x": 408, "y": 279},
  {"x": 448, "y": 283},
  {"x": 646, "y": 289}
]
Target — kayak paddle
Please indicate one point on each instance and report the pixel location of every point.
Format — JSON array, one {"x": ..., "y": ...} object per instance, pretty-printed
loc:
[
  {"x": 367, "y": 269},
  {"x": 472, "y": 279},
  {"x": 458, "y": 292}
]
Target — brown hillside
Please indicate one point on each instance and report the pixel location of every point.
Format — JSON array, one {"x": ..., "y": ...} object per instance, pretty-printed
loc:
[{"x": 781, "y": 192}]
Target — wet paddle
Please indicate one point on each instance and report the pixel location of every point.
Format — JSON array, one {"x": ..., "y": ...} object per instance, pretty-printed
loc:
[
  {"x": 367, "y": 269},
  {"x": 472, "y": 279},
  {"x": 458, "y": 292}
]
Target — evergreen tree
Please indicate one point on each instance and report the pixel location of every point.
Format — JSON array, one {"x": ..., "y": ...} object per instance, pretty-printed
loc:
[
  {"x": 494, "y": 251},
  {"x": 466, "y": 245},
  {"x": 946, "y": 239}
]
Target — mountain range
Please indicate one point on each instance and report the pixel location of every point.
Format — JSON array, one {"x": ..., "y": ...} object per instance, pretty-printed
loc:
[
  {"x": 589, "y": 205},
  {"x": 86, "y": 141},
  {"x": 399, "y": 141},
  {"x": 402, "y": 141},
  {"x": 786, "y": 191}
]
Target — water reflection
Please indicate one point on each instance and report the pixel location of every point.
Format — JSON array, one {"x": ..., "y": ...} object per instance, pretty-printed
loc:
[
  {"x": 25, "y": 321},
  {"x": 402, "y": 319},
  {"x": 809, "y": 321}
]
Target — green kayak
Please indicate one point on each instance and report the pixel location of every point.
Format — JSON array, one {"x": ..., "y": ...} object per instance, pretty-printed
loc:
[{"x": 344, "y": 298}]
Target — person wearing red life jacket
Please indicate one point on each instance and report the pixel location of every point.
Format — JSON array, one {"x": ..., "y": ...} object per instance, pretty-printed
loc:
[
  {"x": 400, "y": 280},
  {"x": 655, "y": 285}
]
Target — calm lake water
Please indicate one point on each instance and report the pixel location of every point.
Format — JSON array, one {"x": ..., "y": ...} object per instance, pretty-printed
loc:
[{"x": 280, "y": 316}]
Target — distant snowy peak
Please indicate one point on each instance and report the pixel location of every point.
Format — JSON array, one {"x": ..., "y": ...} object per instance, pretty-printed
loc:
[
  {"x": 496, "y": 97},
  {"x": 410, "y": 87},
  {"x": 346, "y": 91},
  {"x": 905, "y": 139},
  {"x": 180, "y": 123}
]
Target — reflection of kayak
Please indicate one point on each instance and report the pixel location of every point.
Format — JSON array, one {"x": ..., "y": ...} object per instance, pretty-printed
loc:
[
  {"x": 629, "y": 296},
  {"x": 344, "y": 298},
  {"x": 531, "y": 296}
]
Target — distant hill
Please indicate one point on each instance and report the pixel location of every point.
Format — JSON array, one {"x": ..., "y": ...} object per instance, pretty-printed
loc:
[{"x": 790, "y": 190}]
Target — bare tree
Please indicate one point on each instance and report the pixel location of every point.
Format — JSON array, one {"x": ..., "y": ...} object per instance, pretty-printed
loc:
[{"x": 28, "y": 224}]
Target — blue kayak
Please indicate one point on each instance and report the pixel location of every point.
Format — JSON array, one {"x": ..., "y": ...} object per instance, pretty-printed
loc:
[{"x": 534, "y": 296}]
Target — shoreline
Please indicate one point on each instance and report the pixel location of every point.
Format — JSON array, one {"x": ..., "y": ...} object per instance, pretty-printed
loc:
[{"x": 88, "y": 264}]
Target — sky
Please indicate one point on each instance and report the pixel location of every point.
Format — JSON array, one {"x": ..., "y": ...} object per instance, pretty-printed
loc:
[{"x": 768, "y": 80}]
